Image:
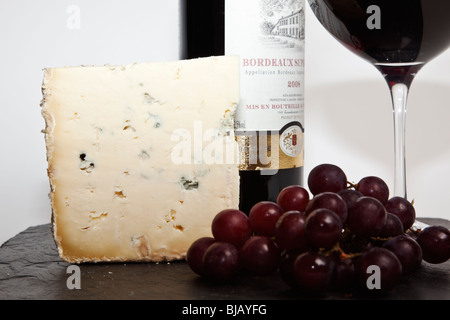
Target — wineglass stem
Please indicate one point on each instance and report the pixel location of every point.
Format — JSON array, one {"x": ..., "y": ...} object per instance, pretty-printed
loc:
[
  {"x": 399, "y": 79},
  {"x": 399, "y": 93}
]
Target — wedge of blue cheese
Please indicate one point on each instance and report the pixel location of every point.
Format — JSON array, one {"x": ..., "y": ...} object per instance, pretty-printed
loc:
[{"x": 140, "y": 157}]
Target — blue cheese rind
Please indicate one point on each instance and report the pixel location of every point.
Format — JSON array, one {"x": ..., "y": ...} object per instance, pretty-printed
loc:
[{"x": 117, "y": 192}]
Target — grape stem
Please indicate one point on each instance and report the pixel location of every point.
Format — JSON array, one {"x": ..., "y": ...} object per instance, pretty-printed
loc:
[
  {"x": 351, "y": 185},
  {"x": 342, "y": 253}
]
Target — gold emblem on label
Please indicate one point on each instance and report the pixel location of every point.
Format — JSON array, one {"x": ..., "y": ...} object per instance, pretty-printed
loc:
[{"x": 271, "y": 151}]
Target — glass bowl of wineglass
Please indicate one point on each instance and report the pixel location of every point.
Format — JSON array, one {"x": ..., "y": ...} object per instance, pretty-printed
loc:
[{"x": 398, "y": 38}]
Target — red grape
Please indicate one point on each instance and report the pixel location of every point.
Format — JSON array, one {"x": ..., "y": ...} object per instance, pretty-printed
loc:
[
  {"x": 407, "y": 251},
  {"x": 367, "y": 217},
  {"x": 323, "y": 229},
  {"x": 263, "y": 217},
  {"x": 344, "y": 275},
  {"x": 195, "y": 253},
  {"x": 374, "y": 187},
  {"x": 331, "y": 201},
  {"x": 403, "y": 209},
  {"x": 435, "y": 244},
  {"x": 293, "y": 198},
  {"x": 313, "y": 271},
  {"x": 393, "y": 226},
  {"x": 350, "y": 196},
  {"x": 286, "y": 267},
  {"x": 289, "y": 231},
  {"x": 231, "y": 226},
  {"x": 259, "y": 255},
  {"x": 326, "y": 177},
  {"x": 221, "y": 261},
  {"x": 390, "y": 269}
]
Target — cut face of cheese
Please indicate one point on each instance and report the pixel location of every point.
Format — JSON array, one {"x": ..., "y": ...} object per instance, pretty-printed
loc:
[{"x": 140, "y": 157}]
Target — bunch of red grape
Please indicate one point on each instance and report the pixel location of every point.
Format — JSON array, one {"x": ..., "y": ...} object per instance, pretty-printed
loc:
[{"x": 345, "y": 236}]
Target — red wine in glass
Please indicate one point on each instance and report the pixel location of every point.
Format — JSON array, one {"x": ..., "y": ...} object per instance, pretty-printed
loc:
[{"x": 398, "y": 37}]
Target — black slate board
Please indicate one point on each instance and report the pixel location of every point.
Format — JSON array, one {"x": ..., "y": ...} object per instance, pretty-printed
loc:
[{"x": 30, "y": 269}]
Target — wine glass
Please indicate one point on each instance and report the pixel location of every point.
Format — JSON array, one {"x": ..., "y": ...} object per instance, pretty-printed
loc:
[{"x": 398, "y": 37}]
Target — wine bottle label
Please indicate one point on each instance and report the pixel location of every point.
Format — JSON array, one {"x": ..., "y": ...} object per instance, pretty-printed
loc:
[{"x": 269, "y": 38}]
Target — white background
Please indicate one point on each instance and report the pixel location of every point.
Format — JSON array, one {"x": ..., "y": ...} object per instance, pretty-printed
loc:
[{"x": 348, "y": 113}]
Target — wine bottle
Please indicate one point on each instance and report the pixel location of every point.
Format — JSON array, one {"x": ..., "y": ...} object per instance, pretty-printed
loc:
[{"x": 268, "y": 36}]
